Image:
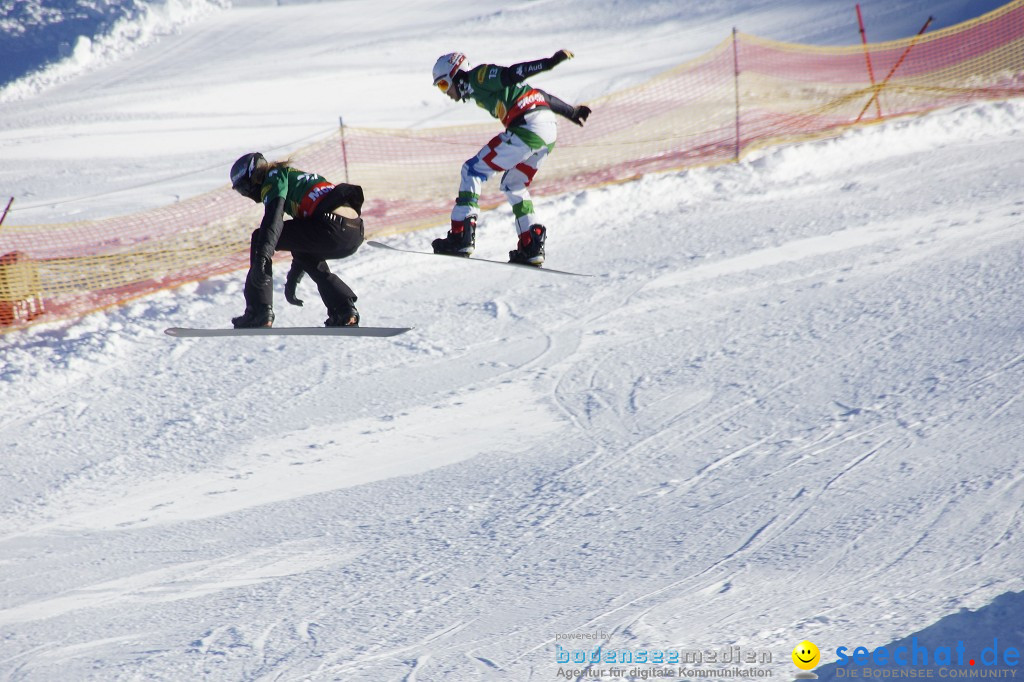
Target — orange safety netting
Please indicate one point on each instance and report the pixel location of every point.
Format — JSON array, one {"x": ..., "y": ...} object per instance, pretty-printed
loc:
[{"x": 746, "y": 93}]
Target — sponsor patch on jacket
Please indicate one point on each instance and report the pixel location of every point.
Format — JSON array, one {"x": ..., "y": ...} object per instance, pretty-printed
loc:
[{"x": 312, "y": 198}]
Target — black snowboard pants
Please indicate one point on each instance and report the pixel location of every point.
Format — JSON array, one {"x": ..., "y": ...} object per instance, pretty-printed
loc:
[{"x": 313, "y": 241}]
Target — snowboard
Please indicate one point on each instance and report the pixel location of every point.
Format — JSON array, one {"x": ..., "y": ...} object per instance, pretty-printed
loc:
[
  {"x": 537, "y": 268},
  {"x": 182, "y": 332}
]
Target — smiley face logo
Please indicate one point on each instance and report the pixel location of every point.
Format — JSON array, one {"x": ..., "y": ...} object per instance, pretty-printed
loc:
[{"x": 806, "y": 655}]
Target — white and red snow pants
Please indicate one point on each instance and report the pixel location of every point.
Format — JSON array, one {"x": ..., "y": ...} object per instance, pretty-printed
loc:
[{"x": 517, "y": 153}]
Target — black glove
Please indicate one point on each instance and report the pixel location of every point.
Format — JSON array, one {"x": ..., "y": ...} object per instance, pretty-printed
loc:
[
  {"x": 560, "y": 56},
  {"x": 292, "y": 281},
  {"x": 261, "y": 273},
  {"x": 579, "y": 114}
]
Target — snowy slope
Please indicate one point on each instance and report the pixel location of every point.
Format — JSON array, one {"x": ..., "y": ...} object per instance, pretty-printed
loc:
[{"x": 786, "y": 407}]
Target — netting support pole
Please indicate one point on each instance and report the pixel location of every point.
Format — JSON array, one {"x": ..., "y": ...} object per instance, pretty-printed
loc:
[
  {"x": 867, "y": 57},
  {"x": 874, "y": 96},
  {"x": 344, "y": 149},
  {"x": 4, "y": 216},
  {"x": 736, "y": 86}
]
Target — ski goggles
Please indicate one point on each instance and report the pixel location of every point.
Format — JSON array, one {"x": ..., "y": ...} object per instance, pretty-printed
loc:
[
  {"x": 443, "y": 84},
  {"x": 247, "y": 188}
]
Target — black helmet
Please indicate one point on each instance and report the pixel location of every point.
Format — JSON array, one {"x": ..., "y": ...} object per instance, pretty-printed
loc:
[{"x": 241, "y": 175}]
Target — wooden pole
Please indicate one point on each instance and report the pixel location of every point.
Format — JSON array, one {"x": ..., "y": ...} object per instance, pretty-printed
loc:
[
  {"x": 344, "y": 149},
  {"x": 736, "y": 85},
  {"x": 867, "y": 57},
  {"x": 895, "y": 66},
  {"x": 4, "y": 216}
]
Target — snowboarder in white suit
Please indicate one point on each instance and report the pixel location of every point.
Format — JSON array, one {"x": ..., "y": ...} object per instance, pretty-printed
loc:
[{"x": 528, "y": 115}]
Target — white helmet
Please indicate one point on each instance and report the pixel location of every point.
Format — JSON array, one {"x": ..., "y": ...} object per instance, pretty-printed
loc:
[{"x": 445, "y": 69}]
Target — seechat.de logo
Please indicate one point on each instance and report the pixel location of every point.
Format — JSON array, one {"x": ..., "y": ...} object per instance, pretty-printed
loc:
[{"x": 916, "y": 654}]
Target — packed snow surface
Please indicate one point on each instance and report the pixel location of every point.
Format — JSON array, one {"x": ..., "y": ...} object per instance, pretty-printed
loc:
[{"x": 786, "y": 406}]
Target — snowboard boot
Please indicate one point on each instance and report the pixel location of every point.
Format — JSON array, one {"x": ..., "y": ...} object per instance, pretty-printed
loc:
[
  {"x": 461, "y": 239},
  {"x": 345, "y": 316},
  {"x": 531, "y": 247},
  {"x": 257, "y": 316}
]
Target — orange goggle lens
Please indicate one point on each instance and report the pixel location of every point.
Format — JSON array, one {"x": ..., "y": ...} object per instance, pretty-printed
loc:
[{"x": 444, "y": 84}]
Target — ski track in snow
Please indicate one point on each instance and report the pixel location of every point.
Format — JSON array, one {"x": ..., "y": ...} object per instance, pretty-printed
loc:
[{"x": 786, "y": 407}]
